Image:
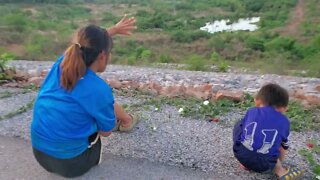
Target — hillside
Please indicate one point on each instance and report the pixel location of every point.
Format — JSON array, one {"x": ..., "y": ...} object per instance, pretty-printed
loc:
[{"x": 287, "y": 41}]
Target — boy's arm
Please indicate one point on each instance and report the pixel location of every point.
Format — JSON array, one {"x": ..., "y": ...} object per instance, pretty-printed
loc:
[{"x": 285, "y": 143}]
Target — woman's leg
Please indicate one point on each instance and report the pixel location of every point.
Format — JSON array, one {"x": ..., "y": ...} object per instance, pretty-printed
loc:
[{"x": 125, "y": 118}]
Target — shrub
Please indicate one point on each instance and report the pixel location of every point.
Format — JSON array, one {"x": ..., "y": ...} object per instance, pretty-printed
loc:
[
  {"x": 165, "y": 59},
  {"x": 145, "y": 54},
  {"x": 182, "y": 37},
  {"x": 189, "y": 36},
  {"x": 215, "y": 57},
  {"x": 17, "y": 22},
  {"x": 223, "y": 66},
  {"x": 255, "y": 43},
  {"x": 280, "y": 44},
  {"x": 196, "y": 63},
  {"x": 184, "y": 6},
  {"x": 217, "y": 43},
  {"x": 4, "y": 58}
]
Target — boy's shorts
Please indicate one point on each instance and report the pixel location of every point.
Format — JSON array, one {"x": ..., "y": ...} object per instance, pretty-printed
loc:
[{"x": 251, "y": 160}]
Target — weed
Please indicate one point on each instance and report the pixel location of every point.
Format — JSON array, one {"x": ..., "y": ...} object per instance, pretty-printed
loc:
[
  {"x": 309, "y": 153},
  {"x": 31, "y": 87},
  {"x": 223, "y": 66},
  {"x": 196, "y": 63},
  {"x": 300, "y": 118},
  {"x": 21, "y": 110},
  {"x": 6, "y": 94}
]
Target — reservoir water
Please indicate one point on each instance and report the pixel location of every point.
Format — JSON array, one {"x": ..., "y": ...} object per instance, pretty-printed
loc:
[{"x": 245, "y": 24}]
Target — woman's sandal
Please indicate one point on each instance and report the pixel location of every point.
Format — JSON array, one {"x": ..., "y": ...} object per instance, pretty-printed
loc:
[
  {"x": 291, "y": 174},
  {"x": 116, "y": 127},
  {"x": 130, "y": 127}
]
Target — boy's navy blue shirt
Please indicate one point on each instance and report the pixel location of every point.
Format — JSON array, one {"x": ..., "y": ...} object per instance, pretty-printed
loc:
[
  {"x": 63, "y": 120},
  {"x": 264, "y": 130}
]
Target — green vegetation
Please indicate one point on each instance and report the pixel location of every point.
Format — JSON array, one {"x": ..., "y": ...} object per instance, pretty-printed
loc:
[
  {"x": 4, "y": 58},
  {"x": 7, "y": 94},
  {"x": 312, "y": 150},
  {"x": 21, "y": 110},
  {"x": 169, "y": 32},
  {"x": 301, "y": 119}
]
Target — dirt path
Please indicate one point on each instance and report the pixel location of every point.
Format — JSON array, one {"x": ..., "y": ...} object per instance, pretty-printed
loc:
[{"x": 295, "y": 19}]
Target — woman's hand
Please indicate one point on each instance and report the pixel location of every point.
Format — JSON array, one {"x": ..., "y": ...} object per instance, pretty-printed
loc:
[{"x": 123, "y": 27}]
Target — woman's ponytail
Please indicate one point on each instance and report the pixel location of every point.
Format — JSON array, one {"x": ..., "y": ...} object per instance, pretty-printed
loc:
[{"x": 73, "y": 67}]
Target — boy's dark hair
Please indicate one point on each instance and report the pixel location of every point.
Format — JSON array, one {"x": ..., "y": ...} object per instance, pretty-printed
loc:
[{"x": 273, "y": 95}]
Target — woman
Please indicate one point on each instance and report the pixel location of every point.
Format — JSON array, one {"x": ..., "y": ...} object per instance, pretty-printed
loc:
[{"x": 75, "y": 107}]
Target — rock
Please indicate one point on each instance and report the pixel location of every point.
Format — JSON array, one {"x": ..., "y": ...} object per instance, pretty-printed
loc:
[
  {"x": 114, "y": 83},
  {"x": 173, "y": 91},
  {"x": 11, "y": 85},
  {"x": 155, "y": 87},
  {"x": 129, "y": 84},
  {"x": 34, "y": 72},
  {"x": 317, "y": 88},
  {"x": 298, "y": 94},
  {"x": 36, "y": 81},
  {"x": 216, "y": 88},
  {"x": 44, "y": 73},
  {"x": 143, "y": 87},
  {"x": 206, "y": 88},
  {"x": 21, "y": 76},
  {"x": 10, "y": 72},
  {"x": 196, "y": 92},
  {"x": 231, "y": 95},
  {"x": 313, "y": 100}
]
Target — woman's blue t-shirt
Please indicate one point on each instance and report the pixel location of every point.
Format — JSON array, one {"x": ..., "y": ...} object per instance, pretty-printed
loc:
[{"x": 63, "y": 120}]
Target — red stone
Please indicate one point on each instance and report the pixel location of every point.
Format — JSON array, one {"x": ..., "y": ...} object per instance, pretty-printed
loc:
[
  {"x": 36, "y": 81},
  {"x": 197, "y": 92},
  {"x": 231, "y": 95},
  {"x": 313, "y": 100},
  {"x": 215, "y": 119},
  {"x": 299, "y": 94},
  {"x": 44, "y": 73},
  {"x": 21, "y": 76},
  {"x": 310, "y": 145},
  {"x": 155, "y": 87},
  {"x": 114, "y": 83}
]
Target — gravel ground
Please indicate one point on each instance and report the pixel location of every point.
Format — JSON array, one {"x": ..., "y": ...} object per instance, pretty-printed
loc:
[
  {"x": 18, "y": 162},
  {"x": 8, "y": 105},
  {"x": 166, "y": 137}
]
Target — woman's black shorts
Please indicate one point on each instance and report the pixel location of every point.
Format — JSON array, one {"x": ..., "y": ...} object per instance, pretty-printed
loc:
[{"x": 73, "y": 167}]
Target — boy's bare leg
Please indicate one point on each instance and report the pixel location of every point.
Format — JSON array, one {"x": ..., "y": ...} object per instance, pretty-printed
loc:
[
  {"x": 279, "y": 170},
  {"x": 125, "y": 118},
  {"x": 283, "y": 154}
]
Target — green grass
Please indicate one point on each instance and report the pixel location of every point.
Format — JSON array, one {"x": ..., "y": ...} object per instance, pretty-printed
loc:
[
  {"x": 21, "y": 110},
  {"x": 6, "y": 94}
]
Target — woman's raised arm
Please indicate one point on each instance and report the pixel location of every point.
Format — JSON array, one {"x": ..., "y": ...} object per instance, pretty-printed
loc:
[{"x": 123, "y": 27}]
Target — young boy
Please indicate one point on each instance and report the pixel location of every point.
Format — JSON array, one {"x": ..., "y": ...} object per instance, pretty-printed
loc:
[{"x": 261, "y": 137}]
